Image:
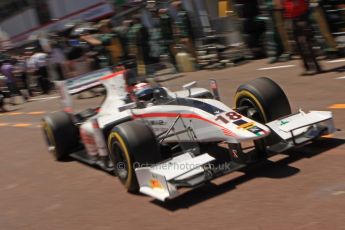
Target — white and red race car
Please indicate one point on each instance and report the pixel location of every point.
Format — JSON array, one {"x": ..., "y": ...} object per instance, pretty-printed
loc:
[{"x": 154, "y": 142}]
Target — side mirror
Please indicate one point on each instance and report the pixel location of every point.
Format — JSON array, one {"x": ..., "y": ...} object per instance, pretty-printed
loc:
[
  {"x": 214, "y": 88},
  {"x": 190, "y": 85}
]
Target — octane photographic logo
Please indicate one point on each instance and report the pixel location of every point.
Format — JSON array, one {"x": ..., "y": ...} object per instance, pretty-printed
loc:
[{"x": 177, "y": 166}]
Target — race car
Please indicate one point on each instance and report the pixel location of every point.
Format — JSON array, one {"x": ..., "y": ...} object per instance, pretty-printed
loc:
[{"x": 156, "y": 141}]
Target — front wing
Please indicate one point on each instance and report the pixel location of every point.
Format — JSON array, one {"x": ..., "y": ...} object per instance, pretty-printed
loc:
[{"x": 162, "y": 181}]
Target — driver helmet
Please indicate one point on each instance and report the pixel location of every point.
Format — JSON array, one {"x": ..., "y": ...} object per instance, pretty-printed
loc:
[{"x": 143, "y": 91}]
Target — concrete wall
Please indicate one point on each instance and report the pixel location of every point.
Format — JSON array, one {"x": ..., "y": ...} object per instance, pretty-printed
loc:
[
  {"x": 21, "y": 26},
  {"x": 60, "y": 8},
  {"x": 20, "y": 22}
]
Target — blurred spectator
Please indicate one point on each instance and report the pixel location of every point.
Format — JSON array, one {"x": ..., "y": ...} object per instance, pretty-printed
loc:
[
  {"x": 122, "y": 32},
  {"x": 298, "y": 12},
  {"x": 107, "y": 43},
  {"x": 21, "y": 71},
  {"x": 139, "y": 48},
  {"x": 74, "y": 51},
  {"x": 2, "y": 94},
  {"x": 166, "y": 28},
  {"x": 38, "y": 64},
  {"x": 183, "y": 28},
  {"x": 252, "y": 27},
  {"x": 7, "y": 68},
  {"x": 78, "y": 62},
  {"x": 111, "y": 40},
  {"x": 2, "y": 97},
  {"x": 155, "y": 39},
  {"x": 319, "y": 17},
  {"x": 58, "y": 59},
  {"x": 279, "y": 48}
]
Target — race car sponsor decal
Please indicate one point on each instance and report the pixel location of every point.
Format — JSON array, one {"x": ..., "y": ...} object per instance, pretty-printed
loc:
[
  {"x": 154, "y": 183},
  {"x": 243, "y": 124},
  {"x": 250, "y": 126},
  {"x": 157, "y": 122},
  {"x": 161, "y": 130},
  {"x": 282, "y": 122},
  {"x": 256, "y": 130},
  {"x": 240, "y": 122}
]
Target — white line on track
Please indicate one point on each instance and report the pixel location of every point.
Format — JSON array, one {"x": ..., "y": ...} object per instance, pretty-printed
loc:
[
  {"x": 277, "y": 67},
  {"x": 339, "y": 78},
  {"x": 44, "y": 98},
  {"x": 336, "y": 61}
]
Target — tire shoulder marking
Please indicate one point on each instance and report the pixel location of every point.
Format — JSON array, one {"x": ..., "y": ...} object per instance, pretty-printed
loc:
[{"x": 119, "y": 138}]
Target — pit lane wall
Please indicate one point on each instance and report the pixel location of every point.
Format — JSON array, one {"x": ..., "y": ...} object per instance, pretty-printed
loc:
[{"x": 26, "y": 23}]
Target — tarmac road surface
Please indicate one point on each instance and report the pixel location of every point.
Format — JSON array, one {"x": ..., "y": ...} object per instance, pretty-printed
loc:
[{"x": 304, "y": 189}]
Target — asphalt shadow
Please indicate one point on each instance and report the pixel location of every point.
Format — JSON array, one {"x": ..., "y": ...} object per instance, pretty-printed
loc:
[{"x": 268, "y": 169}]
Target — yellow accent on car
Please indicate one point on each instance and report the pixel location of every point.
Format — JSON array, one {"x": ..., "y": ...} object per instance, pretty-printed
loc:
[
  {"x": 246, "y": 125},
  {"x": 245, "y": 93},
  {"x": 114, "y": 134},
  {"x": 49, "y": 134}
]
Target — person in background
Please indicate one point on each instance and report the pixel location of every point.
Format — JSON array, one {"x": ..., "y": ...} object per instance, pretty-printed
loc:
[
  {"x": 107, "y": 43},
  {"x": 183, "y": 28},
  {"x": 139, "y": 47},
  {"x": 277, "y": 40},
  {"x": 78, "y": 61},
  {"x": 58, "y": 59},
  {"x": 122, "y": 32},
  {"x": 282, "y": 32},
  {"x": 7, "y": 69},
  {"x": 319, "y": 16},
  {"x": 2, "y": 94},
  {"x": 21, "y": 71},
  {"x": 2, "y": 108},
  {"x": 111, "y": 40},
  {"x": 155, "y": 38},
  {"x": 298, "y": 12},
  {"x": 38, "y": 63},
  {"x": 166, "y": 27}
]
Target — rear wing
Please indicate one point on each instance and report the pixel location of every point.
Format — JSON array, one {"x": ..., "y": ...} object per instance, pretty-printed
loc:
[
  {"x": 114, "y": 83},
  {"x": 86, "y": 81}
]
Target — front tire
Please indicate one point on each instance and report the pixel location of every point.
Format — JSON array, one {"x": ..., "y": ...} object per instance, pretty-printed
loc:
[
  {"x": 61, "y": 134},
  {"x": 263, "y": 100},
  {"x": 132, "y": 144}
]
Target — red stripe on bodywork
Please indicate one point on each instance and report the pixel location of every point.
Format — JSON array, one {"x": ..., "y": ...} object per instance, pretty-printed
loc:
[
  {"x": 226, "y": 131},
  {"x": 113, "y": 75}
]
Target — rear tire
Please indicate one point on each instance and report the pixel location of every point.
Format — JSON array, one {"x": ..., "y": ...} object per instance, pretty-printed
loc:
[
  {"x": 264, "y": 99},
  {"x": 132, "y": 144},
  {"x": 61, "y": 134}
]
